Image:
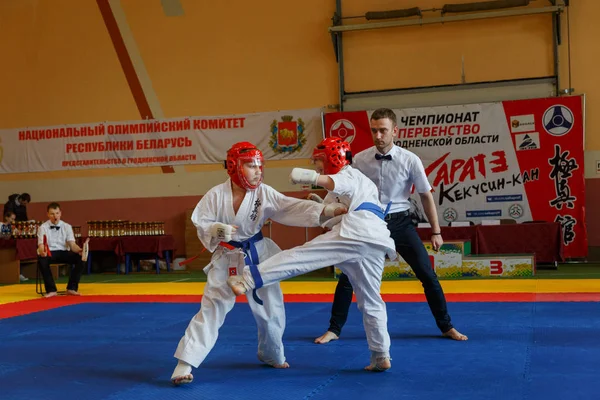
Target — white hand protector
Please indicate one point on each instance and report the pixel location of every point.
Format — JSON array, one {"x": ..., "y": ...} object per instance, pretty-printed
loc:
[
  {"x": 314, "y": 197},
  {"x": 330, "y": 209},
  {"x": 331, "y": 222},
  {"x": 304, "y": 176},
  {"x": 222, "y": 232}
]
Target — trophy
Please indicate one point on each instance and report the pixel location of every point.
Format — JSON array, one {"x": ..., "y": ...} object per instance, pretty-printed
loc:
[{"x": 6, "y": 231}]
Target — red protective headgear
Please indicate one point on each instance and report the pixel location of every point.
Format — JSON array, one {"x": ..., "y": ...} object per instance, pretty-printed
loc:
[
  {"x": 335, "y": 154},
  {"x": 239, "y": 154}
]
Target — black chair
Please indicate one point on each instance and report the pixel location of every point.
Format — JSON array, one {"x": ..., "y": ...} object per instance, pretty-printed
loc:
[{"x": 39, "y": 281}]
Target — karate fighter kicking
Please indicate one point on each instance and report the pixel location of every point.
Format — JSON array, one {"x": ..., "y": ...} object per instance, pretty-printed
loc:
[
  {"x": 357, "y": 245},
  {"x": 229, "y": 219}
]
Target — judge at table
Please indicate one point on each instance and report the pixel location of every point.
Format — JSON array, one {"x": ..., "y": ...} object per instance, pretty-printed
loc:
[{"x": 59, "y": 247}]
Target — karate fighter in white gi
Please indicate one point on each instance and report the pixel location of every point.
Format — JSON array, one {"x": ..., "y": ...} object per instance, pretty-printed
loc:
[
  {"x": 357, "y": 245},
  {"x": 229, "y": 219}
]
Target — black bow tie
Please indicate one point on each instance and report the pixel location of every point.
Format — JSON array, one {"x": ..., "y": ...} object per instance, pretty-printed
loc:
[
  {"x": 380, "y": 157},
  {"x": 55, "y": 227}
]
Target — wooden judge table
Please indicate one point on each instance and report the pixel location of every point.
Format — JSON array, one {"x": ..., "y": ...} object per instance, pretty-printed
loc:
[
  {"x": 12, "y": 252},
  {"x": 126, "y": 247},
  {"x": 543, "y": 239},
  {"x": 15, "y": 251}
]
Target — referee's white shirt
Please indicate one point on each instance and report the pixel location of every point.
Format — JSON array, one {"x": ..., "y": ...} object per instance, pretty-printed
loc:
[{"x": 394, "y": 178}]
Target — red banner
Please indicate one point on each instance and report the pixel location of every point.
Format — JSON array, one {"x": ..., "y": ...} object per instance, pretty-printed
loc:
[{"x": 515, "y": 159}]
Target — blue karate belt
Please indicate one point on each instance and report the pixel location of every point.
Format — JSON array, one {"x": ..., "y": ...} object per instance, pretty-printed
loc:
[
  {"x": 374, "y": 208},
  {"x": 249, "y": 248}
]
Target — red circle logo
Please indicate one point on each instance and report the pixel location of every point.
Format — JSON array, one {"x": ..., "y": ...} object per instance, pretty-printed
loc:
[{"x": 343, "y": 129}]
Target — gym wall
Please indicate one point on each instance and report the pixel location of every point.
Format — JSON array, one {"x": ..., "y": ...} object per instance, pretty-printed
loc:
[{"x": 210, "y": 58}]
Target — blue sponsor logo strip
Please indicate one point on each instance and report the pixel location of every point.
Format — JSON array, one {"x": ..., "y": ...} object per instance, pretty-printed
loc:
[
  {"x": 507, "y": 197},
  {"x": 484, "y": 213}
]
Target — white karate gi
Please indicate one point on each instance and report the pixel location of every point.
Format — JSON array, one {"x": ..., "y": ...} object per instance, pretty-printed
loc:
[
  {"x": 357, "y": 245},
  {"x": 258, "y": 206}
]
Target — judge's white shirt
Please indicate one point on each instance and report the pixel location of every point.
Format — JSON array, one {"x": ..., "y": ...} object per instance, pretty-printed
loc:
[
  {"x": 394, "y": 178},
  {"x": 57, "y": 238}
]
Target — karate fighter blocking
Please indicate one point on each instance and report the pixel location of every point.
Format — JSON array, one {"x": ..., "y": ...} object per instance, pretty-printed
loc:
[
  {"x": 357, "y": 244},
  {"x": 228, "y": 220}
]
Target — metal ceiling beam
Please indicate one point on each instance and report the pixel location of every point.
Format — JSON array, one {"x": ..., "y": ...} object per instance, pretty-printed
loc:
[
  {"x": 339, "y": 52},
  {"x": 443, "y": 20}
]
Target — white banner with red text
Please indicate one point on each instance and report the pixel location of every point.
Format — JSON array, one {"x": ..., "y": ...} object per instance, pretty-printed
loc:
[
  {"x": 520, "y": 160},
  {"x": 188, "y": 140}
]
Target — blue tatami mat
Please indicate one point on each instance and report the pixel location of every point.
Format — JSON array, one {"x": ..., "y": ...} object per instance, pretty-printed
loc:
[{"x": 125, "y": 351}]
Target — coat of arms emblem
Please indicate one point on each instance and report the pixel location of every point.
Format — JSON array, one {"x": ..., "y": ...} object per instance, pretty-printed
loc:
[{"x": 287, "y": 135}]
